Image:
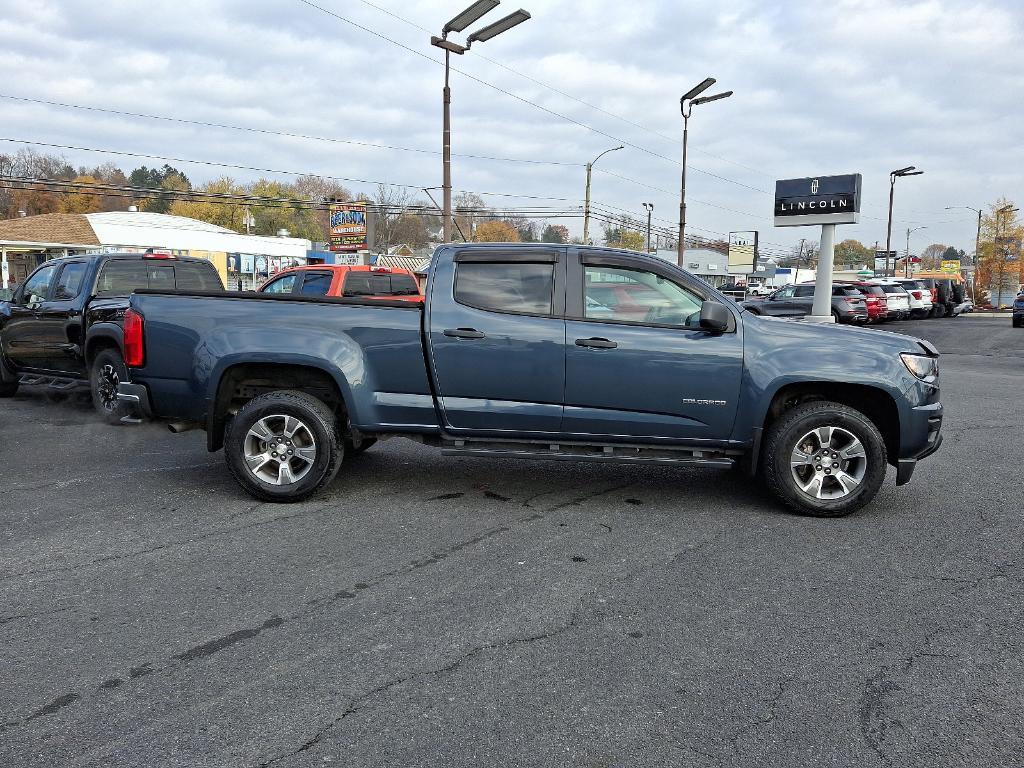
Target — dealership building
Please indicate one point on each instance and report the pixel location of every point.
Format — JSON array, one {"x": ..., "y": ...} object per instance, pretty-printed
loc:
[{"x": 241, "y": 260}]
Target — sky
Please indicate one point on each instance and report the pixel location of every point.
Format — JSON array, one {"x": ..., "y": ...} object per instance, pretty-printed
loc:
[{"x": 820, "y": 88}]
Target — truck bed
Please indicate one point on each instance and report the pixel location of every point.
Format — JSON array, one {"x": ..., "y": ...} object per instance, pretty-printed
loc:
[{"x": 371, "y": 348}]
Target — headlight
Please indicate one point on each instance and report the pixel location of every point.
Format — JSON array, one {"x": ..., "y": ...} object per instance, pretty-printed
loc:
[{"x": 922, "y": 366}]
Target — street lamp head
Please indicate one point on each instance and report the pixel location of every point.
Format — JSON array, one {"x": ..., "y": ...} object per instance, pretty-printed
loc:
[
  {"x": 912, "y": 173},
  {"x": 475, "y": 11},
  {"x": 495, "y": 29},
  {"x": 902, "y": 171},
  {"x": 716, "y": 97},
  {"x": 698, "y": 89},
  {"x": 1008, "y": 209}
]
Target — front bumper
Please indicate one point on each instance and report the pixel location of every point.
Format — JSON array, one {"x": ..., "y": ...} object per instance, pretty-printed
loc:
[
  {"x": 905, "y": 467},
  {"x": 134, "y": 401}
]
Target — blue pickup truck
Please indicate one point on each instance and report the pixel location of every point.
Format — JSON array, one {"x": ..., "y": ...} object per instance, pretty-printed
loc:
[{"x": 536, "y": 351}]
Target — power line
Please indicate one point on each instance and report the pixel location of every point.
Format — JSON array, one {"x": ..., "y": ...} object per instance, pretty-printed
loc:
[{"x": 515, "y": 96}]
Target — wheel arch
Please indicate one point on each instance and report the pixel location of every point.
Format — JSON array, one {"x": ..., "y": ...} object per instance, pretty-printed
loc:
[
  {"x": 106, "y": 336},
  {"x": 875, "y": 403},
  {"x": 242, "y": 382}
]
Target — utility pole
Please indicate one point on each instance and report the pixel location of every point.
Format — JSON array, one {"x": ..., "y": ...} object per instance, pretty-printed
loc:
[{"x": 650, "y": 210}]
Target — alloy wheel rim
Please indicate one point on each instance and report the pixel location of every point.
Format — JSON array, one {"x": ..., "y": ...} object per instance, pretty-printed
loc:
[
  {"x": 107, "y": 386},
  {"x": 829, "y": 463},
  {"x": 279, "y": 450}
]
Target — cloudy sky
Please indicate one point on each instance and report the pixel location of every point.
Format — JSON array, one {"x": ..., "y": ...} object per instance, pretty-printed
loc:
[{"x": 842, "y": 86}]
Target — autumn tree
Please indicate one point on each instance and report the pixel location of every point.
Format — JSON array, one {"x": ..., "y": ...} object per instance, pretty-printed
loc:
[
  {"x": 496, "y": 231},
  {"x": 469, "y": 210},
  {"x": 555, "y": 233},
  {"x": 852, "y": 251},
  {"x": 931, "y": 256},
  {"x": 319, "y": 190},
  {"x": 81, "y": 201},
  {"x": 999, "y": 267},
  {"x": 223, "y": 214}
]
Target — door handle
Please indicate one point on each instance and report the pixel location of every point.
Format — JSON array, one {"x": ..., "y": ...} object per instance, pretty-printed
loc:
[
  {"x": 465, "y": 333},
  {"x": 596, "y": 343}
]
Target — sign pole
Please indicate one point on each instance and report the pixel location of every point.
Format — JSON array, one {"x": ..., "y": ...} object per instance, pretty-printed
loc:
[{"x": 821, "y": 311}]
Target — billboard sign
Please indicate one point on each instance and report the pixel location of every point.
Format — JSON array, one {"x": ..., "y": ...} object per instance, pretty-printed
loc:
[
  {"x": 348, "y": 227},
  {"x": 742, "y": 253},
  {"x": 951, "y": 266},
  {"x": 817, "y": 200}
]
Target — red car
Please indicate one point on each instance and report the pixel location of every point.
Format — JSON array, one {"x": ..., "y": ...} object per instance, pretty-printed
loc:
[
  {"x": 874, "y": 297},
  {"x": 362, "y": 282}
]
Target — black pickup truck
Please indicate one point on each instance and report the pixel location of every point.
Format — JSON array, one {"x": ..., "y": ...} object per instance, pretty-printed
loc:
[{"x": 63, "y": 325}]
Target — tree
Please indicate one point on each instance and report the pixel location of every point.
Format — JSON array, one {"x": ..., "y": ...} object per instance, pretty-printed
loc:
[
  {"x": 555, "y": 233},
  {"x": 931, "y": 256},
  {"x": 1000, "y": 263},
  {"x": 320, "y": 190},
  {"x": 227, "y": 215},
  {"x": 631, "y": 240},
  {"x": 852, "y": 251},
  {"x": 389, "y": 204},
  {"x": 81, "y": 201},
  {"x": 411, "y": 229},
  {"x": 496, "y": 232},
  {"x": 469, "y": 210}
]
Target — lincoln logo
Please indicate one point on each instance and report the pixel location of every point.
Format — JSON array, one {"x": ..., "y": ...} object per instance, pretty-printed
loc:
[{"x": 814, "y": 187}]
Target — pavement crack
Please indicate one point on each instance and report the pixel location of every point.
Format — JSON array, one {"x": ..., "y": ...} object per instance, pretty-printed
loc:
[
  {"x": 874, "y": 723},
  {"x": 359, "y": 702},
  {"x": 766, "y": 719}
]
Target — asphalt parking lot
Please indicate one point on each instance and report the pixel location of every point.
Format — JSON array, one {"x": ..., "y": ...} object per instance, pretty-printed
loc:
[{"x": 431, "y": 611}]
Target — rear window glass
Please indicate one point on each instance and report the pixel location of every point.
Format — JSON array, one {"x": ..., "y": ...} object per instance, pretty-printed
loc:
[
  {"x": 316, "y": 283},
  {"x": 910, "y": 285},
  {"x": 194, "y": 276},
  {"x": 845, "y": 290},
  {"x": 893, "y": 289},
  {"x": 379, "y": 284},
  {"x": 120, "y": 277},
  {"x": 524, "y": 288}
]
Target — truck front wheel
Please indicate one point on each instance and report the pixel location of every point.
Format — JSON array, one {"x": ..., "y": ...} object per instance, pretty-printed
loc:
[
  {"x": 824, "y": 459},
  {"x": 283, "y": 446}
]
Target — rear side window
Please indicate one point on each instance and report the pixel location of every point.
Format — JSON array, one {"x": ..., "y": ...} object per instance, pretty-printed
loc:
[
  {"x": 196, "y": 276},
  {"x": 69, "y": 284},
  {"x": 379, "y": 284},
  {"x": 119, "y": 277},
  {"x": 519, "y": 288},
  {"x": 845, "y": 290},
  {"x": 316, "y": 283},
  {"x": 804, "y": 290}
]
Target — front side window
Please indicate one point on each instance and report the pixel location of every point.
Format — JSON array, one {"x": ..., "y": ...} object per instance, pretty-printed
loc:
[
  {"x": 783, "y": 293},
  {"x": 637, "y": 296},
  {"x": 36, "y": 287},
  {"x": 281, "y": 285},
  {"x": 70, "y": 281},
  {"x": 519, "y": 288}
]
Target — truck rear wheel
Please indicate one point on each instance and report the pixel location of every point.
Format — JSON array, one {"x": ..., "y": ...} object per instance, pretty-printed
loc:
[
  {"x": 8, "y": 389},
  {"x": 107, "y": 372},
  {"x": 283, "y": 446},
  {"x": 824, "y": 459}
]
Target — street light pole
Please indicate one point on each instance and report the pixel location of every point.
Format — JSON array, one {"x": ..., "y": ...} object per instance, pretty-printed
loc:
[
  {"x": 458, "y": 24},
  {"x": 650, "y": 210},
  {"x": 906, "y": 262},
  {"x": 686, "y": 104},
  {"x": 893, "y": 175},
  {"x": 586, "y": 200},
  {"x": 977, "y": 236}
]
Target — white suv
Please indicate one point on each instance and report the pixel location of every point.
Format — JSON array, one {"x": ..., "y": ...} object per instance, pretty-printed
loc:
[
  {"x": 920, "y": 297},
  {"x": 897, "y": 297}
]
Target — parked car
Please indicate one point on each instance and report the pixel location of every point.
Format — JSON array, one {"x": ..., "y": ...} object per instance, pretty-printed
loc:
[
  {"x": 369, "y": 282},
  {"x": 897, "y": 299},
  {"x": 63, "y": 325},
  {"x": 505, "y": 358},
  {"x": 920, "y": 297},
  {"x": 874, "y": 299},
  {"x": 1018, "y": 311},
  {"x": 945, "y": 291},
  {"x": 848, "y": 305},
  {"x": 759, "y": 290}
]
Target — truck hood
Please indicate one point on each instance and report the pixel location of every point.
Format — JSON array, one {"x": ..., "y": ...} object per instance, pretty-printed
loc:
[{"x": 860, "y": 341}]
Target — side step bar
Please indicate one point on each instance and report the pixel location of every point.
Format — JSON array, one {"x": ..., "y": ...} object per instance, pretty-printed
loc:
[
  {"x": 53, "y": 382},
  {"x": 625, "y": 454}
]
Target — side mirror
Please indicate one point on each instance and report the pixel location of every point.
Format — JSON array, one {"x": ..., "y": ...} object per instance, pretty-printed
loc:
[{"x": 714, "y": 316}]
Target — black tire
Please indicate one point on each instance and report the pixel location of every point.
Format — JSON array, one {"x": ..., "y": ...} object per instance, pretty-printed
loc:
[
  {"x": 1018, "y": 322},
  {"x": 8, "y": 389},
  {"x": 836, "y": 317},
  {"x": 319, "y": 424},
  {"x": 783, "y": 438},
  {"x": 106, "y": 372},
  {"x": 366, "y": 444}
]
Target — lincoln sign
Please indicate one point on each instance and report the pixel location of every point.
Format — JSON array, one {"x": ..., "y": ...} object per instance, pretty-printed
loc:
[{"x": 817, "y": 200}]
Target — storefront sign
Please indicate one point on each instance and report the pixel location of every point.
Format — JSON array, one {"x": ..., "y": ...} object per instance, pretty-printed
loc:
[
  {"x": 817, "y": 200},
  {"x": 951, "y": 267},
  {"x": 348, "y": 227}
]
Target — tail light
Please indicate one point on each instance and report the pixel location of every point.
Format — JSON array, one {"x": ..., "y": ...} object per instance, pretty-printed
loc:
[
  {"x": 158, "y": 253},
  {"x": 134, "y": 350},
  {"x": 380, "y": 269},
  {"x": 935, "y": 295},
  {"x": 916, "y": 295}
]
